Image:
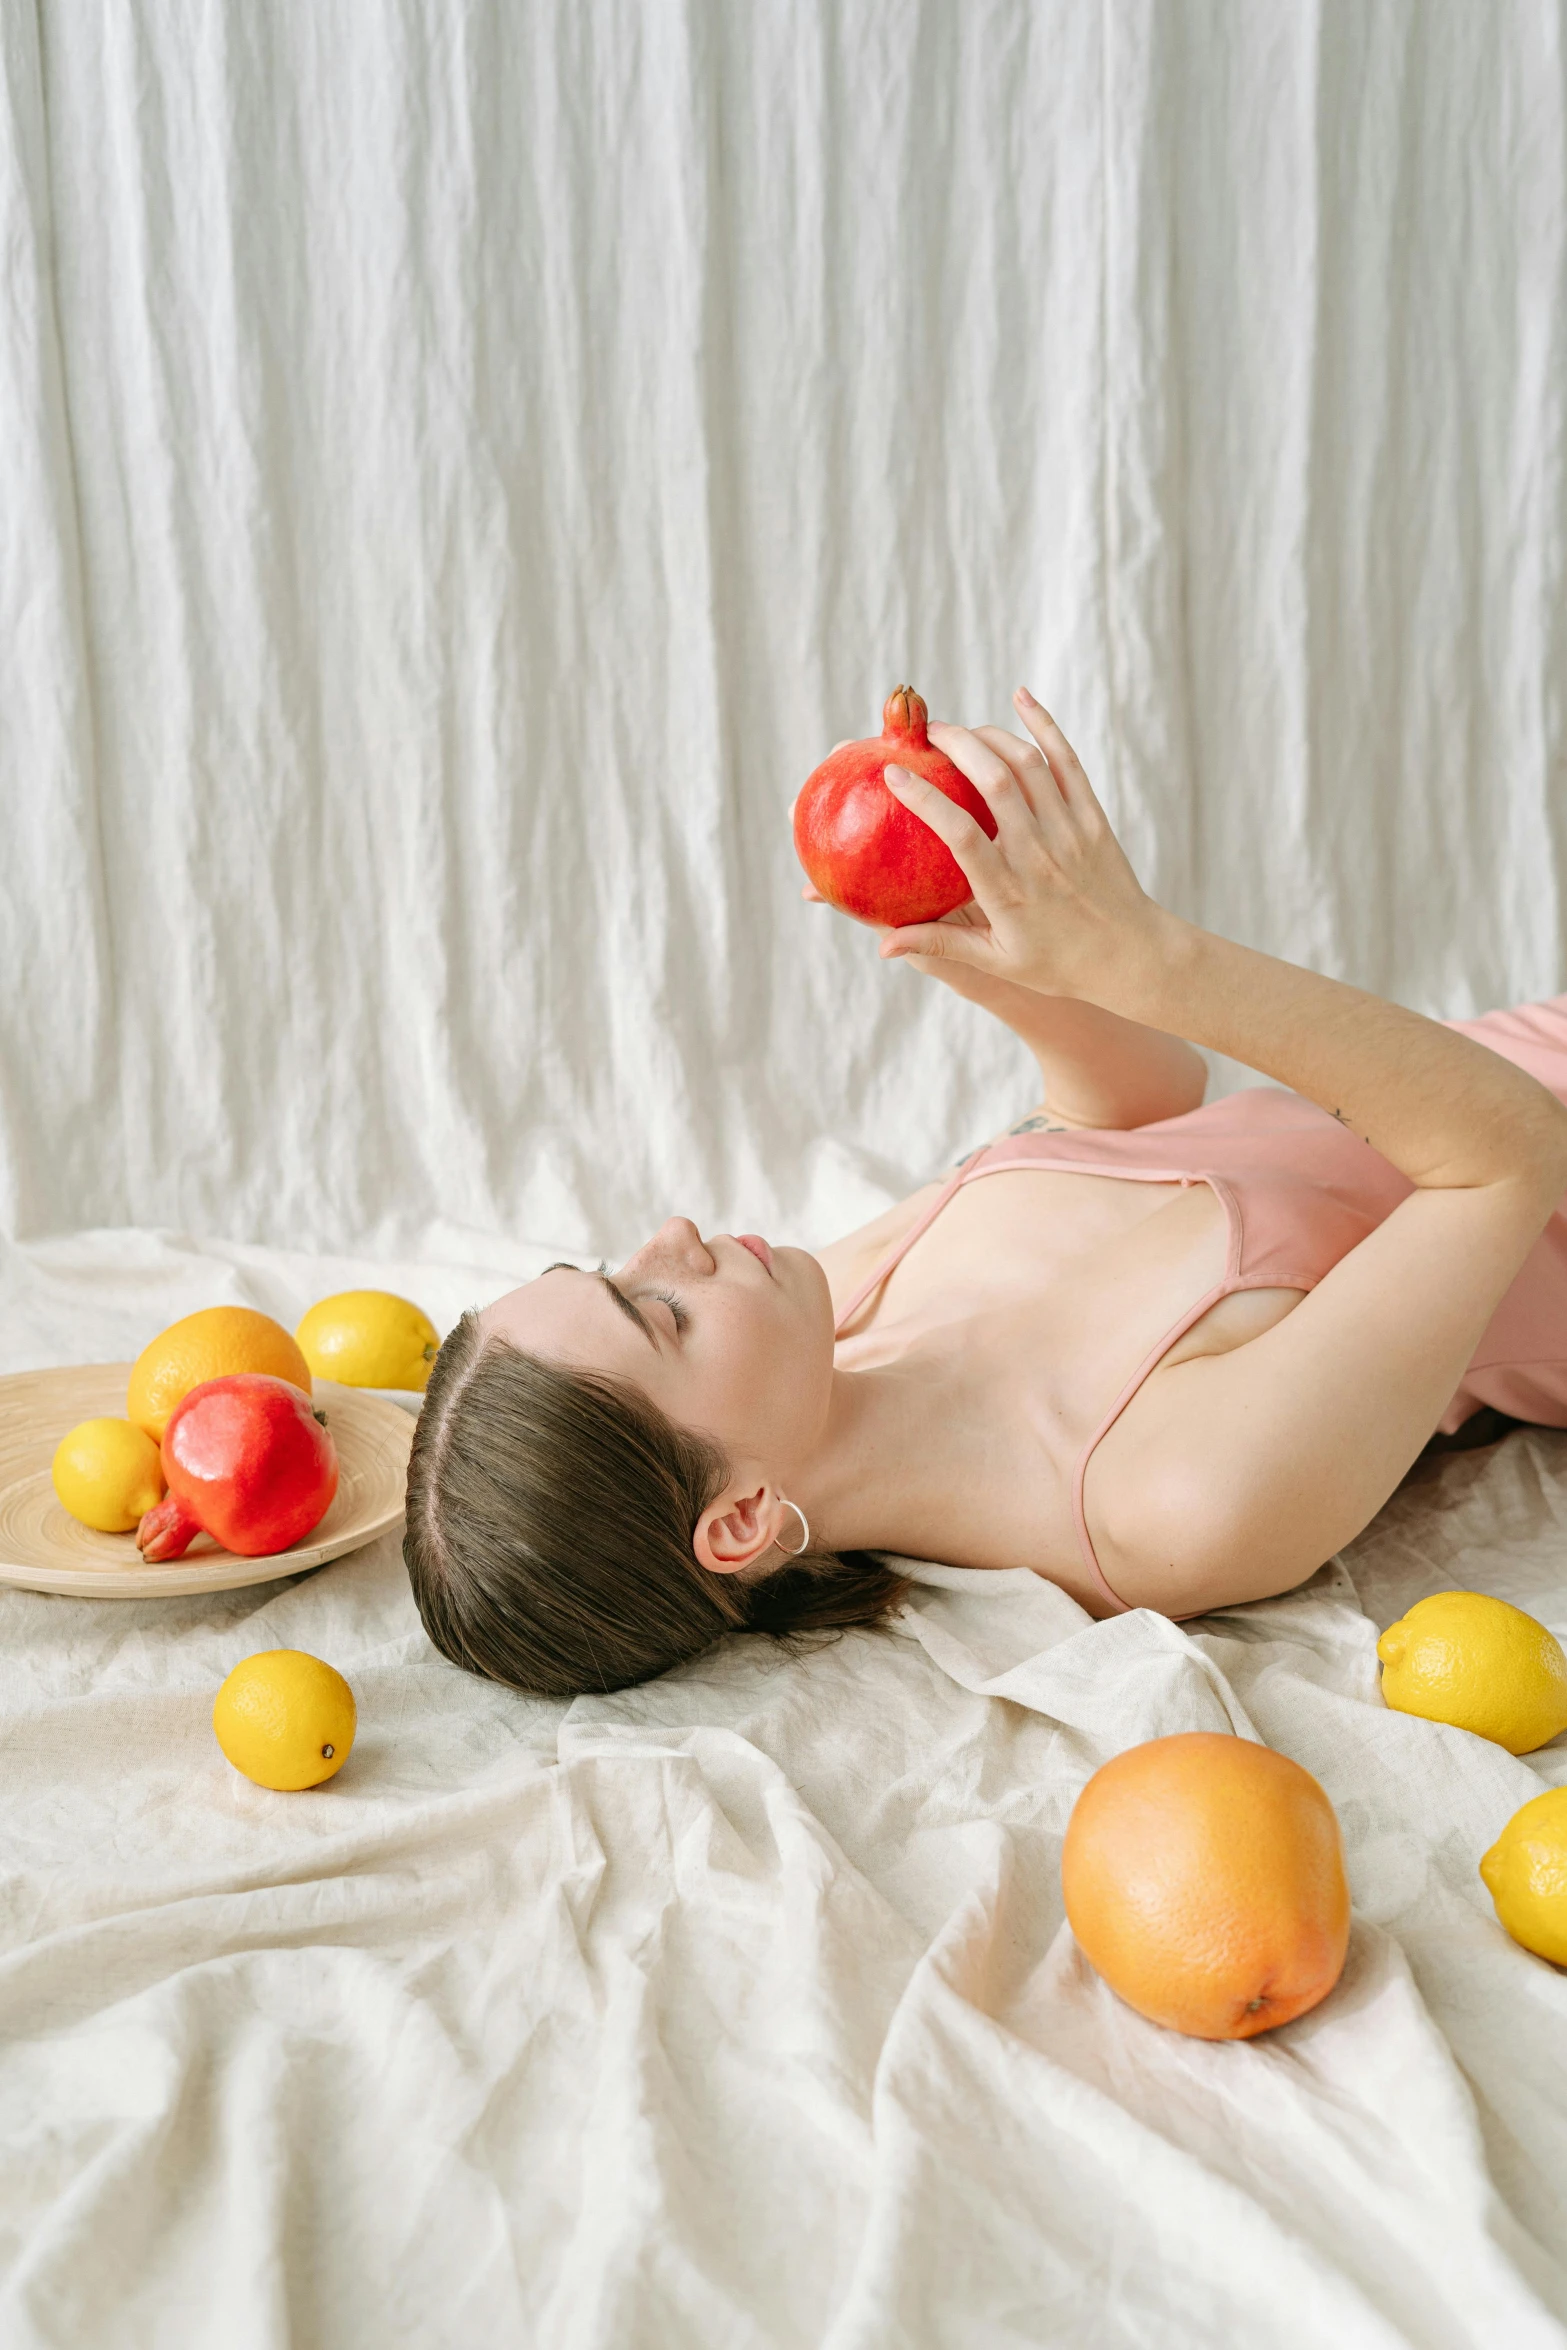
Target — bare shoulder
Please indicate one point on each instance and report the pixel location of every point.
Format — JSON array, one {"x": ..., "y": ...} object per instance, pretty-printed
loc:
[
  {"x": 1198, "y": 1524},
  {"x": 1233, "y": 1476}
]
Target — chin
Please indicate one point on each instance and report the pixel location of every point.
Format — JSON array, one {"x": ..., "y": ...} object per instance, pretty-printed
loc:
[
  {"x": 801, "y": 1273},
  {"x": 813, "y": 1286}
]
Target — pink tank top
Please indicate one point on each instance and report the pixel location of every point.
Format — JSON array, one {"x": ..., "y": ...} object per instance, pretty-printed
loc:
[{"x": 1298, "y": 1191}]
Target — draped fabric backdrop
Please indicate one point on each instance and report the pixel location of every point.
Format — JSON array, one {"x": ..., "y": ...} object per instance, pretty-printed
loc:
[{"x": 461, "y": 466}]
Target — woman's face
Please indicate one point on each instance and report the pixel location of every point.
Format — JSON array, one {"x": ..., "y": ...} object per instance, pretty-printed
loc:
[{"x": 732, "y": 1339}]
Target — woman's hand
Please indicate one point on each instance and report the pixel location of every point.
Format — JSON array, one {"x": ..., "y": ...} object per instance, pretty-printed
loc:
[
  {"x": 1056, "y": 907},
  {"x": 1018, "y": 1008}
]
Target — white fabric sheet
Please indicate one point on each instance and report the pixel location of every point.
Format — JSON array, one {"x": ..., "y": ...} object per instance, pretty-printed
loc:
[
  {"x": 461, "y": 467},
  {"x": 740, "y": 2010}
]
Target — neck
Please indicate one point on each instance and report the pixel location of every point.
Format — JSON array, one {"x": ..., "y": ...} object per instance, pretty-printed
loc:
[{"x": 887, "y": 1456}]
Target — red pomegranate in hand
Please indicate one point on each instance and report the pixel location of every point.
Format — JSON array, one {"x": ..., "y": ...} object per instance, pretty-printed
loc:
[
  {"x": 862, "y": 849},
  {"x": 247, "y": 1461}
]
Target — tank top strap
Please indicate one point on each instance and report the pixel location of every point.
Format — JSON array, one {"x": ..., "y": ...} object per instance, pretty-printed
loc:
[
  {"x": 901, "y": 1250},
  {"x": 1149, "y": 1364}
]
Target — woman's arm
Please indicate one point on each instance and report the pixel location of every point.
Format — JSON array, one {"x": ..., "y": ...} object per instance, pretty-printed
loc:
[
  {"x": 1096, "y": 1068},
  {"x": 1059, "y": 910},
  {"x": 1254, "y": 1466}
]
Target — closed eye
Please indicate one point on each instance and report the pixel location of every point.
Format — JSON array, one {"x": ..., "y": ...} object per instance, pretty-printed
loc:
[
  {"x": 627, "y": 1302},
  {"x": 682, "y": 1318},
  {"x": 627, "y": 1305}
]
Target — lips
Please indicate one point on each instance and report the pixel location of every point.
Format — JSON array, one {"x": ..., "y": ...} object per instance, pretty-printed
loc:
[{"x": 758, "y": 1248}]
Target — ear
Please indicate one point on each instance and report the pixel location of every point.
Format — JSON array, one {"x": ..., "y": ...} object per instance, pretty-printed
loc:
[{"x": 733, "y": 1531}]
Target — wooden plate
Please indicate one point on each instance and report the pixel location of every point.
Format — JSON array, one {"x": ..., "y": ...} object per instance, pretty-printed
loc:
[{"x": 43, "y": 1548}]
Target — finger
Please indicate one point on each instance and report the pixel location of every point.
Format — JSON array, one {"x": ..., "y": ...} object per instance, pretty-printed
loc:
[
  {"x": 993, "y": 779},
  {"x": 1026, "y": 760},
  {"x": 980, "y": 861},
  {"x": 967, "y": 750},
  {"x": 812, "y": 895},
  {"x": 966, "y": 917},
  {"x": 939, "y": 942},
  {"x": 916, "y": 962},
  {"x": 1063, "y": 761}
]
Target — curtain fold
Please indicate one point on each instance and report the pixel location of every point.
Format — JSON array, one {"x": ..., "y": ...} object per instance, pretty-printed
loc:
[{"x": 462, "y": 468}]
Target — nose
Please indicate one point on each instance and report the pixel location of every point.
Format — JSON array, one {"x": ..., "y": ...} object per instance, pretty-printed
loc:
[{"x": 676, "y": 1246}]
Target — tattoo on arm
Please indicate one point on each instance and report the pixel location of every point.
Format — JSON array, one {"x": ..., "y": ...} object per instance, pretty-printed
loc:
[{"x": 1035, "y": 1123}]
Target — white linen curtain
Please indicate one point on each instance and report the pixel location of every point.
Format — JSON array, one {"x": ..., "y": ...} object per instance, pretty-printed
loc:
[{"x": 461, "y": 466}]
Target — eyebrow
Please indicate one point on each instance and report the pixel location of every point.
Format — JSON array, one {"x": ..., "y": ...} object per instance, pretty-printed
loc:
[{"x": 564, "y": 1265}]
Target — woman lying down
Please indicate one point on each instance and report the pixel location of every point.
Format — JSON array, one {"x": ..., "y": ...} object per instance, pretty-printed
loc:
[{"x": 1166, "y": 1356}]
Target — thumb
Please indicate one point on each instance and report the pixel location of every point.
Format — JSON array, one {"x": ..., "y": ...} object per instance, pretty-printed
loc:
[{"x": 943, "y": 942}]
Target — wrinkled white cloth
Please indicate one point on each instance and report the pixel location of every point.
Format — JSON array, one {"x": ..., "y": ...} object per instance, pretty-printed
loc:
[
  {"x": 740, "y": 2009},
  {"x": 462, "y": 467}
]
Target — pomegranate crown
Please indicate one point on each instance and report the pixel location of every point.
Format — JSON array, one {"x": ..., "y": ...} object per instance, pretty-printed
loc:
[{"x": 905, "y": 714}]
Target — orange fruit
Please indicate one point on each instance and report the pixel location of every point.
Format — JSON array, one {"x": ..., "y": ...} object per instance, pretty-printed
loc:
[
  {"x": 1204, "y": 1878},
  {"x": 209, "y": 1345}
]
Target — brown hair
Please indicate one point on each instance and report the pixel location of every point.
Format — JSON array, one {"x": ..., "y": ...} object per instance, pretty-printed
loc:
[{"x": 548, "y": 1536}]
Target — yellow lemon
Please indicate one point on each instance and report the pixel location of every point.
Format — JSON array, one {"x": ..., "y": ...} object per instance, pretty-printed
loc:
[
  {"x": 1525, "y": 1874},
  {"x": 1465, "y": 1658},
  {"x": 368, "y": 1338},
  {"x": 285, "y": 1719},
  {"x": 210, "y": 1345},
  {"x": 108, "y": 1474}
]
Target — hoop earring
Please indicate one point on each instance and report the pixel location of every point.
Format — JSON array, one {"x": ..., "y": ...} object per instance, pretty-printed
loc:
[{"x": 805, "y": 1529}]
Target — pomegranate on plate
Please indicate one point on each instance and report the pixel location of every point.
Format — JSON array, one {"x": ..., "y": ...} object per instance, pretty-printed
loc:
[
  {"x": 862, "y": 849},
  {"x": 248, "y": 1461}
]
